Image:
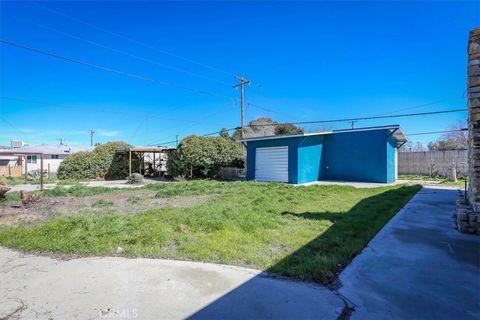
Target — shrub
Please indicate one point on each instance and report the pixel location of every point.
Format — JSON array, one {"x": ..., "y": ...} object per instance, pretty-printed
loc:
[
  {"x": 34, "y": 176},
  {"x": 3, "y": 181},
  {"x": 104, "y": 162},
  {"x": 202, "y": 157},
  {"x": 135, "y": 178}
]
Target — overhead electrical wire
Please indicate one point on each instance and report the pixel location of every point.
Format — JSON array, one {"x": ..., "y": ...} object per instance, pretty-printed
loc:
[
  {"x": 436, "y": 132},
  {"x": 126, "y": 53},
  {"x": 350, "y": 119},
  {"x": 363, "y": 118},
  {"x": 417, "y": 106},
  {"x": 109, "y": 111},
  {"x": 224, "y": 108},
  {"x": 203, "y": 135},
  {"x": 146, "y": 45},
  {"x": 112, "y": 70}
]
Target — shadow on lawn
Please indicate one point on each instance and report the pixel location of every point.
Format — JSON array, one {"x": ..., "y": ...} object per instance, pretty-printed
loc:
[{"x": 320, "y": 260}]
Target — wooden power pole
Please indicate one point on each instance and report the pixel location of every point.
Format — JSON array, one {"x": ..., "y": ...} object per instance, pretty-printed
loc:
[
  {"x": 92, "y": 132},
  {"x": 241, "y": 85}
]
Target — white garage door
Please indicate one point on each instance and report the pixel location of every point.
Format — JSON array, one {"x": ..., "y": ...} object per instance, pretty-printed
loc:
[{"x": 271, "y": 164}]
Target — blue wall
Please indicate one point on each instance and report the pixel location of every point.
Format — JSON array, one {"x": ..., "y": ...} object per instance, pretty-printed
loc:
[
  {"x": 391, "y": 148},
  {"x": 367, "y": 156},
  {"x": 310, "y": 166},
  {"x": 356, "y": 156}
]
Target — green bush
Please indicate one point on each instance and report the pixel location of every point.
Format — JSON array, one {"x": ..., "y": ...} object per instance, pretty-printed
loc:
[
  {"x": 135, "y": 178},
  {"x": 104, "y": 162},
  {"x": 202, "y": 157},
  {"x": 34, "y": 176}
]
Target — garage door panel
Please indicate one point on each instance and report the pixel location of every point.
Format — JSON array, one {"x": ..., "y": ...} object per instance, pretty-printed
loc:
[{"x": 271, "y": 164}]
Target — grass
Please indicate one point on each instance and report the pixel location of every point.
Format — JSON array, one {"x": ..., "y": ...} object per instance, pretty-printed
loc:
[
  {"x": 438, "y": 180},
  {"x": 103, "y": 203},
  {"x": 306, "y": 233},
  {"x": 134, "y": 200},
  {"x": 76, "y": 190}
]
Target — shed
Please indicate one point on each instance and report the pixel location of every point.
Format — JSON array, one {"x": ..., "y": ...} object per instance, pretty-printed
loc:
[{"x": 363, "y": 154}]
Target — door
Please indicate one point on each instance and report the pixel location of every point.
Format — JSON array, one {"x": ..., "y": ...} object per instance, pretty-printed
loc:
[{"x": 271, "y": 164}]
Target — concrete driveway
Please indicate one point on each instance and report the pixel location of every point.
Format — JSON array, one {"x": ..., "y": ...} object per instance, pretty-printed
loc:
[
  {"x": 35, "y": 287},
  {"x": 418, "y": 266}
]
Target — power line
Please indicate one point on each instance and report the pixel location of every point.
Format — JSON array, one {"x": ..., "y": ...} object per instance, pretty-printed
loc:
[
  {"x": 417, "y": 106},
  {"x": 111, "y": 70},
  {"x": 137, "y": 41},
  {"x": 436, "y": 132},
  {"x": 222, "y": 109},
  {"x": 363, "y": 118},
  {"x": 126, "y": 53},
  {"x": 121, "y": 113},
  {"x": 203, "y": 135},
  {"x": 411, "y": 134}
]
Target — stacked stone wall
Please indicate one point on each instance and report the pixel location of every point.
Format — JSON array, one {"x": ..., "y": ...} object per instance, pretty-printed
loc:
[{"x": 468, "y": 212}]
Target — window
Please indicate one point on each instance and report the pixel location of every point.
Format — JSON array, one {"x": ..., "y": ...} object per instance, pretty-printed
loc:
[
  {"x": 32, "y": 159},
  {"x": 54, "y": 156}
]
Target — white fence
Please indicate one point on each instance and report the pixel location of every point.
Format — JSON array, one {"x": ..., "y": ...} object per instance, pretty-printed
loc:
[{"x": 433, "y": 163}]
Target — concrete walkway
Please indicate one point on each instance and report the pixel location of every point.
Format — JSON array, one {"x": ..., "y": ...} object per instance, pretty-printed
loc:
[
  {"x": 418, "y": 266},
  {"x": 35, "y": 287},
  {"x": 93, "y": 183}
]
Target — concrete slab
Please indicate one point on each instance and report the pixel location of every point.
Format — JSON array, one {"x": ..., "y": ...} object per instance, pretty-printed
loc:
[
  {"x": 36, "y": 287},
  {"x": 418, "y": 266},
  {"x": 349, "y": 183}
]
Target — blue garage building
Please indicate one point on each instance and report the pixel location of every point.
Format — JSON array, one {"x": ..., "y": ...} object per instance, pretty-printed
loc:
[{"x": 364, "y": 154}]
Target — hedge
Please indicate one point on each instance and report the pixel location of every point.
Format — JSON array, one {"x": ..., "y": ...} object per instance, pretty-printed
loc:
[
  {"x": 104, "y": 162},
  {"x": 202, "y": 157}
]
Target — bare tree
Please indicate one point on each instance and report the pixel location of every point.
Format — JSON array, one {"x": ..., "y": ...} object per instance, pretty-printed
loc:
[
  {"x": 455, "y": 139},
  {"x": 412, "y": 146}
]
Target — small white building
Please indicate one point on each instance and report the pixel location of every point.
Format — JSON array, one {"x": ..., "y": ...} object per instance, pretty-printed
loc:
[{"x": 53, "y": 155}]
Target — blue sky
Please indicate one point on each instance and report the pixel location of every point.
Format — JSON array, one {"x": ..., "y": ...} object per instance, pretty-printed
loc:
[{"x": 307, "y": 61}]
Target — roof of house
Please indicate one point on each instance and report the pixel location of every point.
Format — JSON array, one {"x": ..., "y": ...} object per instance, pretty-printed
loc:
[
  {"x": 395, "y": 130},
  {"x": 48, "y": 149},
  {"x": 6, "y": 157}
]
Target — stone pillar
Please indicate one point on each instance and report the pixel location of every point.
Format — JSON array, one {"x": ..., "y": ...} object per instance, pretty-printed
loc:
[
  {"x": 473, "y": 102},
  {"x": 468, "y": 212}
]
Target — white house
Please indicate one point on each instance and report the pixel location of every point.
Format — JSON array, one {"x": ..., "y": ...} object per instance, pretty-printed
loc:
[{"x": 53, "y": 155}]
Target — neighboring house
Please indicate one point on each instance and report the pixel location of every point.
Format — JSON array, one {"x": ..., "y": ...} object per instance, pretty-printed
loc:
[
  {"x": 8, "y": 161},
  {"x": 365, "y": 154},
  {"x": 53, "y": 155}
]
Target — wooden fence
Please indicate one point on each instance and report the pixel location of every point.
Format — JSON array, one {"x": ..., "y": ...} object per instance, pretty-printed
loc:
[
  {"x": 433, "y": 163},
  {"x": 11, "y": 171}
]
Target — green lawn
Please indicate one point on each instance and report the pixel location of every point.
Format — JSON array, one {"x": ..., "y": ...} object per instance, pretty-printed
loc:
[
  {"x": 460, "y": 183},
  {"x": 303, "y": 232}
]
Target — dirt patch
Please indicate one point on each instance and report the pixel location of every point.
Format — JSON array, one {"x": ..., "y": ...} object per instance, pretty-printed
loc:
[{"x": 129, "y": 202}]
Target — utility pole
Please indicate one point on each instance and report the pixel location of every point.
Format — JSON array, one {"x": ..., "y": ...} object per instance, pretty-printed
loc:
[
  {"x": 241, "y": 85},
  {"x": 176, "y": 141},
  {"x": 91, "y": 137}
]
